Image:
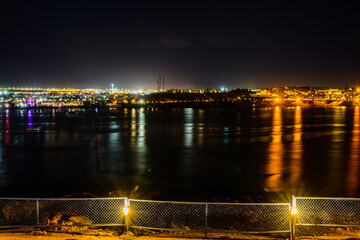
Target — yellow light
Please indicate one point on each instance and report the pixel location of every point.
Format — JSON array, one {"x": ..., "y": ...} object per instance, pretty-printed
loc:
[
  {"x": 126, "y": 211},
  {"x": 294, "y": 210}
]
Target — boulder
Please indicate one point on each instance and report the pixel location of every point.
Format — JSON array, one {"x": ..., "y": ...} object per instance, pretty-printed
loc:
[
  {"x": 38, "y": 233},
  {"x": 82, "y": 220},
  {"x": 56, "y": 219},
  {"x": 127, "y": 236}
]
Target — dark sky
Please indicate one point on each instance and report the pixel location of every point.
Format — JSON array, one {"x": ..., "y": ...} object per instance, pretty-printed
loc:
[{"x": 194, "y": 44}]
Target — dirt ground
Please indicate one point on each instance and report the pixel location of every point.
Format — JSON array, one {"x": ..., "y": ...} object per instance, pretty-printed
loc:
[
  {"x": 64, "y": 236},
  {"x": 52, "y": 236},
  {"x": 108, "y": 234},
  {"x": 113, "y": 235}
]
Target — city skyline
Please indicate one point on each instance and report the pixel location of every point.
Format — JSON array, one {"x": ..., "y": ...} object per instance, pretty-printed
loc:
[{"x": 198, "y": 45}]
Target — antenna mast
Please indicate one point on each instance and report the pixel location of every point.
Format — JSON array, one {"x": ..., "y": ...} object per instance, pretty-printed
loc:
[{"x": 158, "y": 83}]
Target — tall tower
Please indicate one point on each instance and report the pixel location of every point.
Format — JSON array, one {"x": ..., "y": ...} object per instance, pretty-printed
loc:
[
  {"x": 159, "y": 83},
  {"x": 163, "y": 83}
]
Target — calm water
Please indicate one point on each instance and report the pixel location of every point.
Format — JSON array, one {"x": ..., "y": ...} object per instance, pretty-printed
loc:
[{"x": 214, "y": 152}]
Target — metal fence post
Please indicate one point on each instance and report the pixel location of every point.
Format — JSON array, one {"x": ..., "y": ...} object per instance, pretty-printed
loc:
[
  {"x": 206, "y": 219},
  {"x": 127, "y": 218},
  {"x": 37, "y": 212},
  {"x": 293, "y": 219}
]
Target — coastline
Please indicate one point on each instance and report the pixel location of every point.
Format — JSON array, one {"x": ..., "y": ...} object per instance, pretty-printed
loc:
[{"x": 196, "y": 105}]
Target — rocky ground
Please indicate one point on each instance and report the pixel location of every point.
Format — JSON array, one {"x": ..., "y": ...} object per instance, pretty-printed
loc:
[
  {"x": 85, "y": 233},
  {"x": 112, "y": 234},
  {"x": 64, "y": 236}
]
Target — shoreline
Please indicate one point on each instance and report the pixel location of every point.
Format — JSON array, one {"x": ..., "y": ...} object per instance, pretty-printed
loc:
[{"x": 186, "y": 105}]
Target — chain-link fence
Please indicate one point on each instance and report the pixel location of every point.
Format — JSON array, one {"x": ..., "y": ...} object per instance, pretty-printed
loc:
[
  {"x": 248, "y": 217},
  {"x": 210, "y": 217},
  {"x": 328, "y": 211},
  {"x": 180, "y": 216},
  {"x": 59, "y": 212},
  {"x": 174, "y": 216}
]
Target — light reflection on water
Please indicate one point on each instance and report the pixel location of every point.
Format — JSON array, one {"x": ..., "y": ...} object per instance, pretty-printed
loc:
[
  {"x": 30, "y": 119},
  {"x": 352, "y": 179},
  {"x": 336, "y": 154},
  {"x": 275, "y": 163},
  {"x": 141, "y": 148},
  {"x": 188, "y": 151},
  {"x": 296, "y": 152},
  {"x": 200, "y": 128},
  {"x": 189, "y": 127},
  {"x": 199, "y": 151}
]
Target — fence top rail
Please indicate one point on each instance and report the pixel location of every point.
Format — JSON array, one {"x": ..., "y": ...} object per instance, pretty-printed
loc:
[
  {"x": 329, "y": 198},
  {"x": 214, "y": 203},
  {"x": 64, "y": 199}
]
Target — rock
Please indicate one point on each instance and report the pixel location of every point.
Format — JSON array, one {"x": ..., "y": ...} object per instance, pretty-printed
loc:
[
  {"x": 56, "y": 219},
  {"x": 104, "y": 234},
  {"x": 127, "y": 235},
  {"x": 38, "y": 233},
  {"x": 45, "y": 222},
  {"x": 75, "y": 230},
  {"x": 82, "y": 220}
]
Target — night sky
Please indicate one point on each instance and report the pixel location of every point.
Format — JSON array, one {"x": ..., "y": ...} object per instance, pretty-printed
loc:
[{"x": 194, "y": 44}]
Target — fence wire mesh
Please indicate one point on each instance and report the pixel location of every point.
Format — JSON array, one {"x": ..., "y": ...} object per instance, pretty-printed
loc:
[
  {"x": 249, "y": 217},
  {"x": 328, "y": 211},
  {"x": 18, "y": 212},
  {"x": 175, "y": 216},
  {"x": 210, "y": 217},
  {"x": 167, "y": 215},
  {"x": 55, "y": 212}
]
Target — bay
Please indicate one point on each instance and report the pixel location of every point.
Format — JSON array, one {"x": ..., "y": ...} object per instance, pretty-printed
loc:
[{"x": 182, "y": 152}]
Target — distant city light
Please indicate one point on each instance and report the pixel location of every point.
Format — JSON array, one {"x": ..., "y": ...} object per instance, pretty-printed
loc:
[{"x": 279, "y": 96}]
